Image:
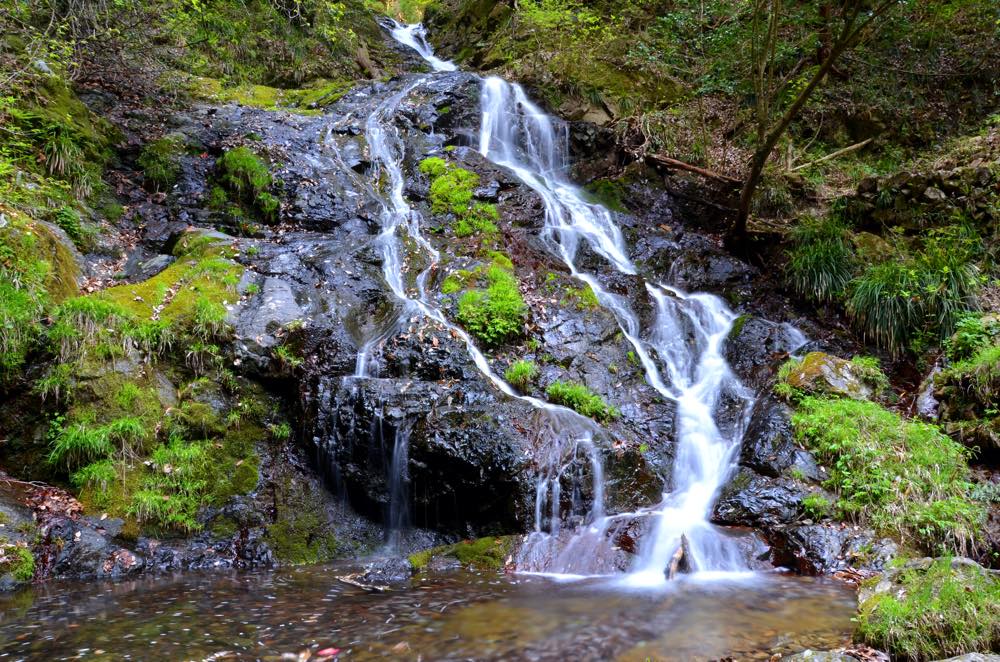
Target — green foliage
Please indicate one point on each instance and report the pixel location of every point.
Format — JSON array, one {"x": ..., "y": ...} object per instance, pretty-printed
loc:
[
  {"x": 170, "y": 493},
  {"x": 900, "y": 476},
  {"x": 972, "y": 333},
  {"x": 816, "y": 505},
  {"x": 869, "y": 370},
  {"x": 521, "y": 373},
  {"x": 160, "y": 162},
  {"x": 84, "y": 442},
  {"x": 498, "y": 313},
  {"x": 581, "y": 399},
  {"x": 895, "y": 301},
  {"x": 947, "y": 609},
  {"x": 97, "y": 475},
  {"x": 821, "y": 261},
  {"x": 68, "y": 219}
]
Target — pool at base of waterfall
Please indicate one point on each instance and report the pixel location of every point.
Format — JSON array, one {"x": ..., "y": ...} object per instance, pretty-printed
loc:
[{"x": 454, "y": 615}]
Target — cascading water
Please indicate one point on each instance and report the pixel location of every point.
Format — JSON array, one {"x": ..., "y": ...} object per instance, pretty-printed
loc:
[
  {"x": 681, "y": 354},
  {"x": 686, "y": 340}
]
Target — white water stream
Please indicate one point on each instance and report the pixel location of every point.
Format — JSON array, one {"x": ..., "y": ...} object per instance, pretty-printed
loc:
[{"x": 681, "y": 353}]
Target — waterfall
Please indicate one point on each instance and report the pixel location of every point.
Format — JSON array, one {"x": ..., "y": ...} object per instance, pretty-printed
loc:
[
  {"x": 567, "y": 435},
  {"x": 681, "y": 354}
]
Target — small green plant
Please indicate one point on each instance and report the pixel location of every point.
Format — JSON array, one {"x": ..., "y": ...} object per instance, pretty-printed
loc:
[
  {"x": 172, "y": 490},
  {"x": 972, "y": 333},
  {"x": 252, "y": 289},
  {"x": 816, "y": 506},
  {"x": 84, "y": 442},
  {"x": 281, "y": 431},
  {"x": 209, "y": 319},
  {"x": 286, "y": 358},
  {"x": 160, "y": 162},
  {"x": 581, "y": 399},
  {"x": 521, "y": 373},
  {"x": 498, "y": 313},
  {"x": 68, "y": 219},
  {"x": 869, "y": 370}
]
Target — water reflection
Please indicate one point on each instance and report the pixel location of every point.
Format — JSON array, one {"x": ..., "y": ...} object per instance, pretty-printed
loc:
[{"x": 450, "y": 616}]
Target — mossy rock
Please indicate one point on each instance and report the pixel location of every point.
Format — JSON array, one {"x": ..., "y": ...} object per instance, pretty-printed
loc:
[
  {"x": 300, "y": 533},
  {"x": 930, "y": 609},
  {"x": 825, "y": 374},
  {"x": 490, "y": 554},
  {"x": 17, "y": 564}
]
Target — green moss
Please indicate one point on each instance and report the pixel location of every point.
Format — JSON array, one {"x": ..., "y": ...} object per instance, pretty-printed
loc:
[
  {"x": 36, "y": 270},
  {"x": 189, "y": 294},
  {"x": 738, "y": 325},
  {"x": 581, "y": 399},
  {"x": 452, "y": 192},
  {"x": 243, "y": 172},
  {"x": 521, "y": 373},
  {"x": 609, "y": 193},
  {"x": 489, "y": 554},
  {"x": 584, "y": 298},
  {"x": 300, "y": 534},
  {"x": 248, "y": 179},
  {"x": 874, "y": 456},
  {"x": 930, "y": 613},
  {"x": 16, "y": 561}
]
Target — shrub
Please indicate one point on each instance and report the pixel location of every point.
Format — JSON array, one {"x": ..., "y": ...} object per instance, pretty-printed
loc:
[
  {"x": 581, "y": 399},
  {"x": 498, "y": 313},
  {"x": 947, "y": 609},
  {"x": 972, "y": 333},
  {"x": 900, "y": 476},
  {"x": 521, "y": 373},
  {"x": 885, "y": 304},
  {"x": 821, "y": 261},
  {"x": 160, "y": 162}
]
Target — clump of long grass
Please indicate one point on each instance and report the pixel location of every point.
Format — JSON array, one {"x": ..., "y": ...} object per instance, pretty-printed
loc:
[{"x": 821, "y": 262}]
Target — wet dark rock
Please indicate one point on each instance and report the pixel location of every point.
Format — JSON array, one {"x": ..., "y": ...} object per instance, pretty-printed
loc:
[
  {"x": 84, "y": 548},
  {"x": 815, "y": 549},
  {"x": 756, "y": 347},
  {"x": 386, "y": 572},
  {"x": 140, "y": 267},
  {"x": 750, "y": 499},
  {"x": 466, "y": 469},
  {"x": 769, "y": 446}
]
